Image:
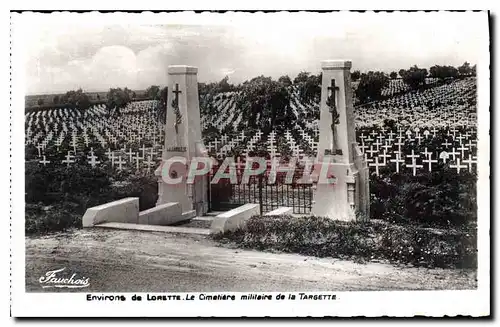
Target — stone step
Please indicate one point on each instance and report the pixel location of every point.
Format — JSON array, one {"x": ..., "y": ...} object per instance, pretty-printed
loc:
[
  {"x": 213, "y": 213},
  {"x": 204, "y": 218},
  {"x": 156, "y": 228},
  {"x": 197, "y": 222}
]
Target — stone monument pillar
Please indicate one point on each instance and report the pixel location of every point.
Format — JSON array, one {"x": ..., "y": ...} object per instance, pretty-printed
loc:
[
  {"x": 182, "y": 140},
  {"x": 338, "y": 150}
]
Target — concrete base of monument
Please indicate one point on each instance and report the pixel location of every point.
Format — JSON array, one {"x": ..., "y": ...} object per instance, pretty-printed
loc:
[
  {"x": 165, "y": 214},
  {"x": 331, "y": 201},
  {"x": 280, "y": 211},
  {"x": 341, "y": 199},
  {"x": 234, "y": 219},
  {"x": 126, "y": 211},
  {"x": 122, "y": 211}
]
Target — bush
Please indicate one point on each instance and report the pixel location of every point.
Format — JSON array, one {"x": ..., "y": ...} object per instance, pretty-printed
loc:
[
  {"x": 371, "y": 85},
  {"x": 440, "y": 198},
  {"x": 44, "y": 219},
  {"x": 414, "y": 77},
  {"x": 76, "y": 100},
  {"x": 324, "y": 237},
  {"x": 142, "y": 186},
  {"x": 266, "y": 101},
  {"x": 46, "y": 185},
  {"x": 57, "y": 197}
]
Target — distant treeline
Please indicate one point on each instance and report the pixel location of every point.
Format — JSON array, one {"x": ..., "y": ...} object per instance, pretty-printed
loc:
[
  {"x": 75, "y": 99},
  {"x": 62, "y": 105},
  {"x": 261, "y": 96}
]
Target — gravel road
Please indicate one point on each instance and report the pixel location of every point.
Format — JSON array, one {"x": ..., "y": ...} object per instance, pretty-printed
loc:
[{"x": 132, "y": 261}]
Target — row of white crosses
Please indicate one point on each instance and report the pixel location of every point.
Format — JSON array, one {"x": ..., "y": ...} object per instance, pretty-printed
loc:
[
  {"x": 378, "y": 145},
  {"x": 297, "y": 106},
  {"x": 221, "y": 147},
  {"x": 296, "y": 150},
  {"x": 381, "y": 146},
  {"x": 416, "y": 136},
  {"x": 301, "y": 107},
  {"x": 225, "y": 144},
  {"x": 395, "y": 86},
  {"x": 139, "y": 129},
  {"x": 400, "y": 160},
  {"x": 226, "y": 111},
  {"x": 313, "y": 143},
  {"x": 73, "y": 127},
  {"x": 234, "y": 141},
  {"x": 250, "y": 146},
  {"x": 271, "y": 145},
  {"x": 298, "y": 109},
  {"x": 398, "y": 85},
  {"x": 421, "y": 116},
  {"x": 145, "y": 157},
  {"x": 397, "y": 107},
  {"x": 233, "y": 114},
  {"x": 411, "y": 108},
  {"x": 227, "y": 114},
  {"x": 454, "y": 92}
]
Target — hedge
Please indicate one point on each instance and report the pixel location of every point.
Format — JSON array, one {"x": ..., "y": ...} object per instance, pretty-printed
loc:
[{"x": 374, "y": 240}]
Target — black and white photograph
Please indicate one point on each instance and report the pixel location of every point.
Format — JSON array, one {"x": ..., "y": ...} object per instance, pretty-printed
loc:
[{"x": 213, "y": 164}]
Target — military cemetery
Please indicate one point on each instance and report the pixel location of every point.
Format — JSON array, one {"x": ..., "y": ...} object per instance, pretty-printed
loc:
[
  {"x": 411, "y": 133},
  {"x": 188, "y": 175}
]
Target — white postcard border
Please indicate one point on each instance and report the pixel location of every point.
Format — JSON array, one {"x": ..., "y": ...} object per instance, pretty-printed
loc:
[{"x": 405, "y": 303}]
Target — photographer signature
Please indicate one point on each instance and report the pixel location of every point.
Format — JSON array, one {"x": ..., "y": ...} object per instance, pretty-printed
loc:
[{"x": 52, "y": 279}]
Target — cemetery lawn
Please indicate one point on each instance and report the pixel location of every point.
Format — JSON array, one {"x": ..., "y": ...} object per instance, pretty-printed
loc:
[{"x": 132, "y": 261}]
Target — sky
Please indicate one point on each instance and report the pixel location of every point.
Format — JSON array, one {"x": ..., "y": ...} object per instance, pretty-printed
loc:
[{"x": 102, "y": 53}]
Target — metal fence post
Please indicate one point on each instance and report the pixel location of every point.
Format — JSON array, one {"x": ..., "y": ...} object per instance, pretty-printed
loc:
[
  {"x": 209, "y": 185},
  {"x": 260, "y": 195}
]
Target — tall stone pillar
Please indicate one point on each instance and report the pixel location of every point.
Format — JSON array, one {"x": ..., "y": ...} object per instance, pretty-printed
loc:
[
  {"x": 337, "y": 149},
  {"x": 182, "y": 141}
]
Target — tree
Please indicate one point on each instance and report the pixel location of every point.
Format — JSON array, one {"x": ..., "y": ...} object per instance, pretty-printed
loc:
[
  {"x": 473, "y": 70},
  {"x": 264, "y": 102},
  {"x": 153, "y": 92},
  {"x": 40, "y": 102},
  {"x": 443, "y": 72},
  {"x": 371, "y": 85},
  {"x": 76, "y": 99},
  {"x": 285, "y": 80},
  {"x": 465, "y": 69},
  {"x": 355, "y": 75},
  {"x": 162, "y": 105},
  {"x": 211, "y": 89},
  {"x": 56, "y": 100},
  {"x": 301, "y": 77},
  {"x": 117, "y": 99},
  {"x": 309, "y": 87},
  {"x": 435, "y": 71},
  {"x": 414, "y": 77},
  {"x": 393, "y": 75},
  {"x": 224, "y": 86}
]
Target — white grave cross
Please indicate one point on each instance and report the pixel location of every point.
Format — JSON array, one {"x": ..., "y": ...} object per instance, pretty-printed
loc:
[
  {"x": 397, "y": 161},
  {"x": 69, "y": 159},
  {"x": 458, "y": 166},
  {"x": 429, "y": 160}
]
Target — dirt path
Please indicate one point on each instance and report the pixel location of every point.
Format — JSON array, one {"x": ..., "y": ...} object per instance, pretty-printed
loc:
[{"x": 131, "y": 261}]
